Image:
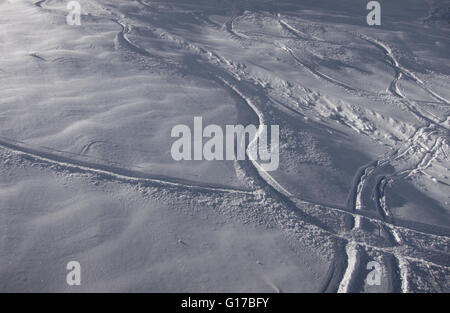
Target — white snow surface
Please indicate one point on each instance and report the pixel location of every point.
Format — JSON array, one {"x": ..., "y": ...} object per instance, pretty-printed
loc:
[{"x": 86, "y": 173}]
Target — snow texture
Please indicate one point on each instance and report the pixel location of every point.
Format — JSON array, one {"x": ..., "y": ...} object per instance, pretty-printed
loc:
[{"x": 86, "y": 173}]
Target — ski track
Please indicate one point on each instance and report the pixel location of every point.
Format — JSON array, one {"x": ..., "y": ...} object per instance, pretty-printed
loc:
[
  {"x": 317, "y": 73},
  {"x": 229, "y": 26},
  {"x": 380, "y": 186},
  {"x": 115, "y": 173},
  {"x": 352, "y": 263},
  {"x": 277, "y": 191},
  {"x": 297, "y": 33},
  {"x": 367, "y": 171},
  {"x": 399, "y": 73}
]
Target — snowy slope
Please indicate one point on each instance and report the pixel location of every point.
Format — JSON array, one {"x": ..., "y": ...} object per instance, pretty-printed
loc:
[{"x": 86, "y": 172}]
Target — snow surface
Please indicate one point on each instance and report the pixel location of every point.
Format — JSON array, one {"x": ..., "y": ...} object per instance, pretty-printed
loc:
[{"x": 86, "y": 172}]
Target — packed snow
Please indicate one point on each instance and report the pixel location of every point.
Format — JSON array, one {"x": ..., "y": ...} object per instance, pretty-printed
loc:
[{"x": 86, "y": 172}]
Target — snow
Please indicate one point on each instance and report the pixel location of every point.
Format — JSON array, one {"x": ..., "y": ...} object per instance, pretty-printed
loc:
[{"x": 86, "y": 172}]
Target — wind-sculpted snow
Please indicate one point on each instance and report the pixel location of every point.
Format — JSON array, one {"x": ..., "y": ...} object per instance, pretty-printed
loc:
[{"x": 85, "y": 119}]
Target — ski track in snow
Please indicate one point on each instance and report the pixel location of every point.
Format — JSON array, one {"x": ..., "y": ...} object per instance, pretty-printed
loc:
[
  {"x": 356, "y": 203},
  {"x": 116, "y": 173},
  {"x": 273, "y": 188},
  {"x": 370, "y": 169},
  {"x": 352, "y": 262}
]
